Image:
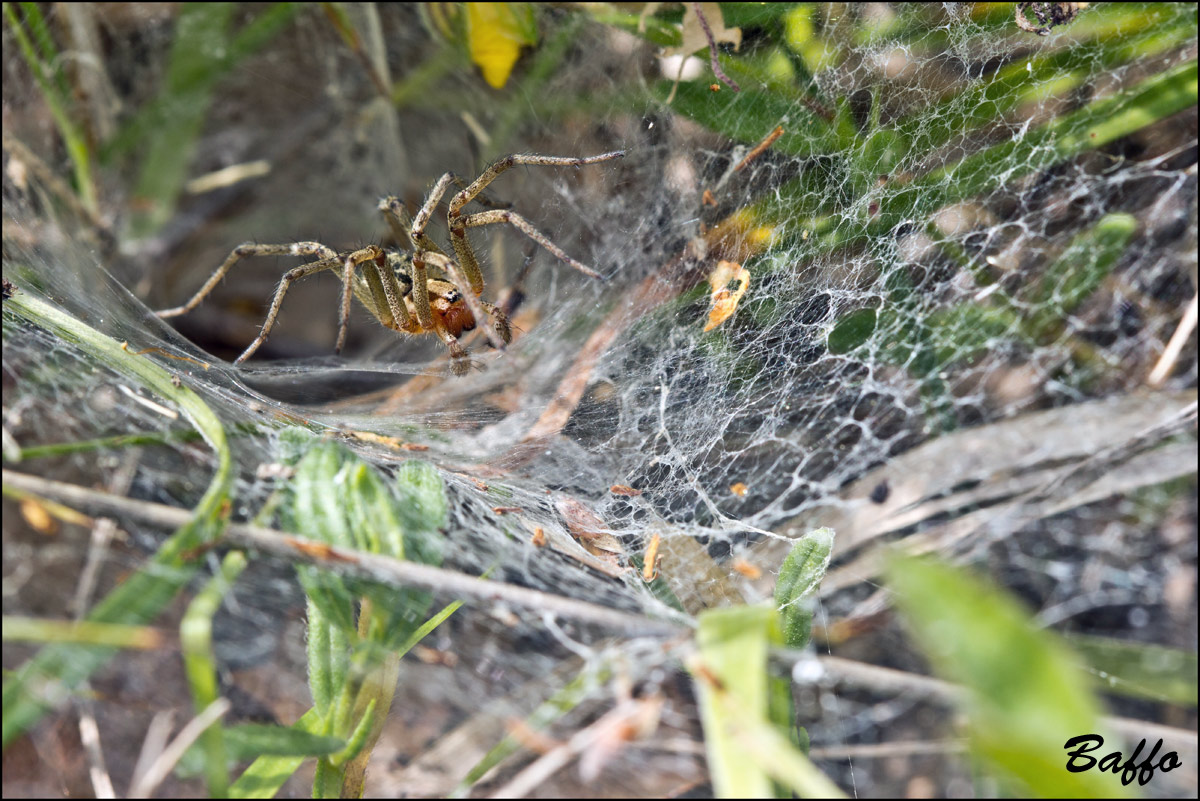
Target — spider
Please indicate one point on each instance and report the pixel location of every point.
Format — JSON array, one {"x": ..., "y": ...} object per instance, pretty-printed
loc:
[{"x": 397, "y": 287}]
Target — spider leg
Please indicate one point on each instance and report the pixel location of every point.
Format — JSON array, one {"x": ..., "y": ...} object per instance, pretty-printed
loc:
[
  {"x": 401, "y": 223},
  {"x": 452, "y": 271},
  {"x": 458, "y": 224},
  {"x": 523, "y": 225},
  {"x": 500, "y": 322},
  {"x": 483, "y": 198},
  {"x": 384, "y": 296},
  {"x": 460, "y": 362},
  {"x": 499, "y": 166},
  {"x": 420, "y": 289},
  {"x": 398, "y": 220},
  {"x": 418, "y": 235},
  {"x": 240, "y": 252},
  {"x": 370, "y": 253},
  {"x": 295, "y": 274}
]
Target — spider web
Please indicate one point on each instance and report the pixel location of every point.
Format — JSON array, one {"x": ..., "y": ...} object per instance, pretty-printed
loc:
[{"x": 953, "y": 271}]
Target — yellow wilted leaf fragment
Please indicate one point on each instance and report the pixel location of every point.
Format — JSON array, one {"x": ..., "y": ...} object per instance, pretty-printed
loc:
[
  {"x": 724, "y": 302},
  {"x": 496, "y": 32}
]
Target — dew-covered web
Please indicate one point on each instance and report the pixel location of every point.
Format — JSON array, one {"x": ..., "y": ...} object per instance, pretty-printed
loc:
[{"x": 965, "y": 234}]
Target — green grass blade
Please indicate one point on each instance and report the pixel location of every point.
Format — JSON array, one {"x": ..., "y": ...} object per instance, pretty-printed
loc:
[
  {"x": 47, "y": 679},
  {"x": 195, "y": 636},
  {"x": 733, "y": 643}
]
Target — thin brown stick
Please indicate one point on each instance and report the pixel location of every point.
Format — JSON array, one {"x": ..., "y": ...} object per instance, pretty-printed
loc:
[
  {"x": 760, "y": 148},
  {"x": 712, "y": 50},
  {"x": 1183, "y": 333},
  {"x": 166, "y": 761},
  {"x": 384, "y": 569}
]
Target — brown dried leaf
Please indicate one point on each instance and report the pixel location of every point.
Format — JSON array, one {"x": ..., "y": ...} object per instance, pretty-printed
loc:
[{"x": 588, "y": 529}]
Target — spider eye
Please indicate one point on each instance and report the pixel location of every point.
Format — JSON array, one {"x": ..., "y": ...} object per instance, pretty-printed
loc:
[{"x": 453, "y": 296}]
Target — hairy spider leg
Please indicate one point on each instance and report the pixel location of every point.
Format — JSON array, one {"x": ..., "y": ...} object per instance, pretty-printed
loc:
[
  {"x": 524, "y": 226},
  {"x": 458, "y": 224},
  {"x": 371, "y": 255},
  {"x": 405, "y": 230},
  {"x": 421, "y": 240},
  {"x": 384, "y": 297},
  {"x": 295, "y": 274},
  {"x": 398, "y": 220},
  {"x": 242, "y": 251}
]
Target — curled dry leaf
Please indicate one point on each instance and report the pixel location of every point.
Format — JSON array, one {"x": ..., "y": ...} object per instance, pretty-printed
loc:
[
  {"x": 724, "y": 302},
  {"x": 589, "y": 529}
]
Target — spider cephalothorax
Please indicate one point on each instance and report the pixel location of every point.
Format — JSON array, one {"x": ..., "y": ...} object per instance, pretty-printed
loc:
[
  {"x": 397, "y": 288},
  {"x": 450, "y": 311}
]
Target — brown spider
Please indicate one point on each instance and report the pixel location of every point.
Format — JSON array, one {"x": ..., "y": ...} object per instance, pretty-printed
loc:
[{"x": 396, "y": 287}]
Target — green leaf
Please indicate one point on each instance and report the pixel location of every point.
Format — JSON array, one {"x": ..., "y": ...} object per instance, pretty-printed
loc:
[
  {"x": 423, "y": 510},
  {"x": 749, "y": 115},
  {"x": 249, "y": 741},
  {"x": 745, "y": 750},
  {"x": 252, "y": 740},
  {"x": 1025, "y": 695},
  {"x": 267, "y": 774},
  {"x": 195, "y": 636},
  {"x": 799, "y": 577}
]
